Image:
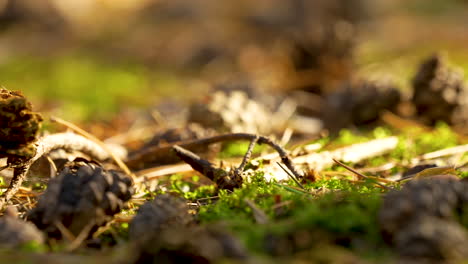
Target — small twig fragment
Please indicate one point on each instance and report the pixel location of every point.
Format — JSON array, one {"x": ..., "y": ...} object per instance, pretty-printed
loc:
[
  {"x": 197, "y": 163},
  {"x": 224, "y": 179},
  {"x": 247, "y": 156}
]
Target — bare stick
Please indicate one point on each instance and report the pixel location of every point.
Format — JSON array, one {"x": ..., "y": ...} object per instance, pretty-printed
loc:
[
  {"x": 223, "y": 179},
  {"x": 197, "y": 163},
  {"x": 78, "y": 130},
  {"x": 247, "y": 156},
  {"x": 150, "y": 153},
  {"x": 360, "y": 174},
  {"x": 68, "y": 141}
]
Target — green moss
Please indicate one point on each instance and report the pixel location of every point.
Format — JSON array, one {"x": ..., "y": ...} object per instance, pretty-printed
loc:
[
  {"x": 350, "y": 212},
  {"x": 87, "y": 87},
  {"x": 413, "y": 143},
  {"x": 33, "y": 246},
  {"x": 237, "y": 149}
]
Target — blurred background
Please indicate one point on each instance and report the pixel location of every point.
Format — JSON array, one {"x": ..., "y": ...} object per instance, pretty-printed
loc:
[{"x": 95, "y": 60}]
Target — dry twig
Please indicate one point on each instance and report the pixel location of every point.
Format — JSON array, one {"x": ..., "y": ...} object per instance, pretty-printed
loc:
[
  {"x": 247, "y": 156},
  {"x": 154, "y": 152}
]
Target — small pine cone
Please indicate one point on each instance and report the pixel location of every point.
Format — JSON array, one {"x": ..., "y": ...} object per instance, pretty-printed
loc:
[
  {"x": 433, "y": 238},
  {"x": 19, "y": 126},
  {"x": 434, "y": 197},
  {"x": 164, "y": 230},
  {"x": 197, "y": 244},
  {"x": 232, "y": 112},
  {"x": 404, "y": 213},
  {"x": 15, "y": 232},
  {"x": 164, "y": 211},
  {"x": 361, "y": 103},
  {"x": 82, "y": 194},
  {"x": 439, "y": 92}
]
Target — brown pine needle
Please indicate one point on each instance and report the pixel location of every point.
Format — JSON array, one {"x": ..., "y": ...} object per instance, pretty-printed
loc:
[
  {"x": 360, "y": 174},
  {"x": 291, "y": 176},
  {"x": 82, "y": 132}
]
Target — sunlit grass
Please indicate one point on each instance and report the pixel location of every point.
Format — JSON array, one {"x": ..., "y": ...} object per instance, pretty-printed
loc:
[{"x": 82, "y": 87}]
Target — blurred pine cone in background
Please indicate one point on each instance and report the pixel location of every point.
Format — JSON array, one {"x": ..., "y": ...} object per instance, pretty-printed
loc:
[
  {"x": 440, "y": 93},
  {"x": 360, "y": 103},
  {"x": 422, "y": 220}
]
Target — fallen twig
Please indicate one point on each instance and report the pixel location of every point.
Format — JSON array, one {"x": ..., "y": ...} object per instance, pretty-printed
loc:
[
  {"x": 155, "y": 152},
  {"x": 247, "y": 156},
  {"x": 224, "y": 179}
]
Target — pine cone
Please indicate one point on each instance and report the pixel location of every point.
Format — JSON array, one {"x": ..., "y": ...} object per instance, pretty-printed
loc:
[
  {"x": 439, "y": 92},
  {"x": 403, "y": 216},
  {"x": 82, "y": 194},
  {"x": 162, "y": 212},
  {"x": 433, "y": 238},
  {"x": 232, "y": 112},
  {"x": 163, "y": 231},
  {"x": 19, "y": 126},
  {"x": 15, "y": 232},
  {"x": 360, "y": 103}
]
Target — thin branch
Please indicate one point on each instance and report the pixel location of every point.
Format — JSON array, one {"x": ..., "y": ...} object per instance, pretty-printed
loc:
[
  {"x": 197, "y": 163},
  {"x": 224, "y": 179},
  {"x": 78, "y": 130},
  {"x": 247, "y": 156},
  {"x": 152, "y": 153},
  {"x": 44, "y": 145}
]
